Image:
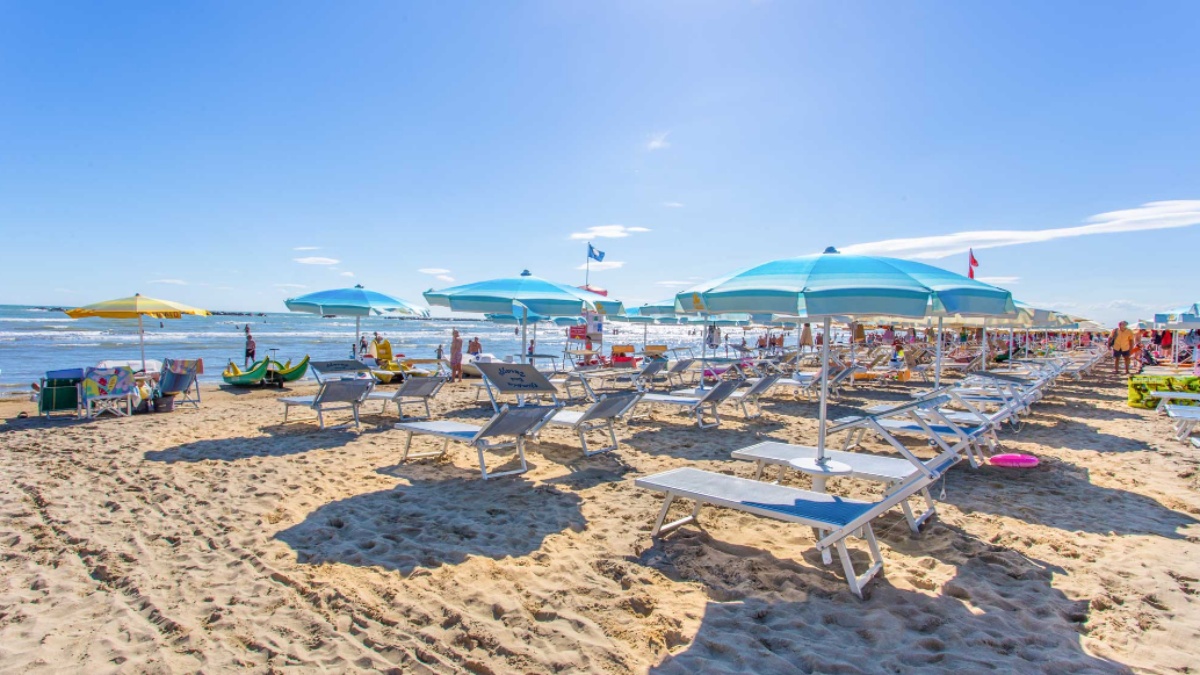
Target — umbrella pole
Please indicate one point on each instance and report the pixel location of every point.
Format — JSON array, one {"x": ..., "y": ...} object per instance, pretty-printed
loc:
[
  {"x": 937, "y": 369},
  {"x": 645, "y": 336},
  {"x": 824, "y": 392},
  {"x": 354, "y": 347},
  {"x": 983, "y": 361},
  {"x": 142, "y": 340},
  {"x": 524, "y": 326}
]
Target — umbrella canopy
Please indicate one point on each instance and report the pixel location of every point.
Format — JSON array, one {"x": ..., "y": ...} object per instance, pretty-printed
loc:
[
  {"x": 832, "y": 284},
  {"x": 523, "y": 296},
  {"x": 356, "y": 302},
  {"x": 135, "y": 307}
]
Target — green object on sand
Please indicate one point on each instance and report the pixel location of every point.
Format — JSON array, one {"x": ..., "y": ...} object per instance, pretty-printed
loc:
[{"x": 237, "y": 377}]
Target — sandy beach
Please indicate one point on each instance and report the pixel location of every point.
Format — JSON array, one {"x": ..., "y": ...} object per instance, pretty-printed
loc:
[{"x": 218, "y": 539}]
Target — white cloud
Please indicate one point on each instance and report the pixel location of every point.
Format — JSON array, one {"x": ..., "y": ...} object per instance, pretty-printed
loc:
[
  {"x": 1151, "y": 216},
  {"x": 444, "y": 277},
  {"x": 433, "y": 270},
  {"x": 172, "y": 282},
  {"x": 290, "y": 286},
  {"x": 607, "y": 232},
  {"x": 658, "y": 141},
  {"x": 601, "y": 266},
  {"x": 675, "y": 283},
  {"x": 307, "y": 248},
  {"x": 998, "y": 281},
  {"x": 673, "y": 205},
  {"x": 317, "y": 260},
  {"x": 347, "y": 274}
]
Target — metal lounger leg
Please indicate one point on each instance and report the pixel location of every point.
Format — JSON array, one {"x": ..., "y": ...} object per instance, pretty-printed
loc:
[{"x": 661, "y": 529}]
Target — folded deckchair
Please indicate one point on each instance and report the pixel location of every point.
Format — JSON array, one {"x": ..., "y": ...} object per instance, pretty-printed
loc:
[
  {"x": 519, "y": 379},
  {"x": 696, "y": 406},
  {"x": 602, "y": 414},
  {"x": 178, "y": 378},
  {"x": 413, "y": 390},
  {"x": 105, "y": 389},
  {"x": 833, "y": 519},
  {"x": 517, "y": 423},
  {"x": 332, "y": 395}
]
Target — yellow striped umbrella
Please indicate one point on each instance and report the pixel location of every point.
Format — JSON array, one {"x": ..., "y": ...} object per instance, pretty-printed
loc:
[{"x": 136, "y": 307}]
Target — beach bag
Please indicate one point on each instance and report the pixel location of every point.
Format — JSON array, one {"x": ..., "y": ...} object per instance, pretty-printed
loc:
[{"x": 1112, "y": 338}]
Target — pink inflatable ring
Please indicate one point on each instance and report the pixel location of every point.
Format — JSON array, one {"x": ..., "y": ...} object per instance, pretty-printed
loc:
[{"x": 1014, "y": 460}]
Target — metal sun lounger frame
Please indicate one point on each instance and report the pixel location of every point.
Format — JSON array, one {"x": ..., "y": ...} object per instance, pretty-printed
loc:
[
  {"x": 601, "y": 415},
  {"x": 518, "y": 423},
  {"x": 696, "y": 406},
  {"x": 349, "y": 393},
  {"x": 924, "y": 417},
  {"x": 415, "y": 390},
  {"x": 833, "y": 519}
]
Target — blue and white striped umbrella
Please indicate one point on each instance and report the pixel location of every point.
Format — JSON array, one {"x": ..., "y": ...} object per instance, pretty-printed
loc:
[
  {"x": 832, "y": 284},
  {"x": 522, "y": 296}
]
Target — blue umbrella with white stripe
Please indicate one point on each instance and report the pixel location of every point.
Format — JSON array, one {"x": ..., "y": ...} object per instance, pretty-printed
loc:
[
  {"x": 832, "y": 284},
  {"x": 522, "y": 296},
  {"x": 356, "y": 302}
]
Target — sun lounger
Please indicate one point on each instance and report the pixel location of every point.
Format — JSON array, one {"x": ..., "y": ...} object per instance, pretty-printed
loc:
[
  {"x": 747, "y": 397},
  {"x": 602, "y": 414},
  {"x": 833, "y": 519},
  {"x": 413, "y": 390},
  {"x": 332, "y": 395},
  {"x": 105, "y": 389},
  {"x": 892, "y": 471},
  {"x": 179, "y": 379},
  {"x": 1165, "y": 398},
  {"x": 680, "y": 373},
  {"x": 1185, "y": 418},
  {"x": 517, "y": 423},
  {"x": 340, "y": 369},
  {"x": 696, "y": 406},
  {"x": 516, "y": 379},
  {"x": 919, "y": 417}
]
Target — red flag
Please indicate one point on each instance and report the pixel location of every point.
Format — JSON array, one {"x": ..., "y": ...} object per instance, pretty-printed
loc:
[
  {"x": 974, "y": 262},
  {"x": 970, "y": 272}
]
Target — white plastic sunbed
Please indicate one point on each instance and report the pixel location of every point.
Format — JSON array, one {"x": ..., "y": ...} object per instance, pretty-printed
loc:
[
  {"x": 697, "y": 406},
  {"x": 602, "y": 415},
  {"x": 333, "y": 395},
  {"x": 1165, "y": 398},
  {"x": 516, "y": 423},
  {"x": 833, "y": 519},
  {"x": 413, "y": 390},
  {"x": 1186, "y": 419}
]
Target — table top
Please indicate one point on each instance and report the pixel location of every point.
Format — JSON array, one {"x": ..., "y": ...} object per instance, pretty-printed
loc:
[{"x": 812, "y": 467}]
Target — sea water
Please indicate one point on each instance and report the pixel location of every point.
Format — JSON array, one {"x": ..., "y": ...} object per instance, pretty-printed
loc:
[{"x": 35, "y": 340}]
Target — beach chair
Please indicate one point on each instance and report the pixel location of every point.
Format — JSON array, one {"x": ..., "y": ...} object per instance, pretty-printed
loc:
[
  {"x": 516, "y": 379},
  {"x": 602, "y": 414},
  {"x": 105, "y": 389},
  {"x": 833, "y": 519},
  {"x": 680, "y": 373},
  {"x": 1185, "y": 418},
  {"x": 748, "y": 397},
  {"x": 696, "y": 405},
  {"x": 643, "y": 380},
  {"x": 514, "y": 423},
  {"x": 332, "y": 395},
  {"x": 340, "y": 369},
  {"x": 179, "y": 378},
  {"x": 922, "y": 417},
  {"x": 892, "y": 471},
  {"x": 59, "y": 392},
  {"x": 413, "y": 390}
]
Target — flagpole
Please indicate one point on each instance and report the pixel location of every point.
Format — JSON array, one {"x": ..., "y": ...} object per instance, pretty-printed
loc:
[{"x": 587, "y": 264}]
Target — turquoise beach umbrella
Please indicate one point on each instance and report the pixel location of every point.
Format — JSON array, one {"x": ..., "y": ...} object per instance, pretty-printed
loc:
[
  {"x": 356, "y": 302},
  {"x": 832, "y": 284},
  {"x": 522, "y": 296}
]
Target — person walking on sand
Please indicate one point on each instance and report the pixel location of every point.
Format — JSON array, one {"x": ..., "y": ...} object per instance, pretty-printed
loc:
[
  {"x": 1122, "y": 346},
  {"x": 456, "y": 374}
]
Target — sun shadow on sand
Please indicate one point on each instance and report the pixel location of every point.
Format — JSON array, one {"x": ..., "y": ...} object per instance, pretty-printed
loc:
[
  {"x": 300, "y": 440},
  {"x": 999, "y": 612},
  {"x": 1060, "y": 495},
  {"x": 1050, "y": 432},
  {"x": 432, "y": 523}
]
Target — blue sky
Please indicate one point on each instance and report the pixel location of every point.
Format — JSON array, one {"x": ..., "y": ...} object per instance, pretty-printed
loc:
[{"x": 212, "y": 152}]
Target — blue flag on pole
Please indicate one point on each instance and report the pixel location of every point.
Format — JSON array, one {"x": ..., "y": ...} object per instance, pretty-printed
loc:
[{"x": 595, "y": 254}]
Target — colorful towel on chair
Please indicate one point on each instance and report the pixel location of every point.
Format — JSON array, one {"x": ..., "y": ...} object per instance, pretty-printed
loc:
[
  {"x": 107, "y": 382},
  {"x": 1139, "y": 385}
]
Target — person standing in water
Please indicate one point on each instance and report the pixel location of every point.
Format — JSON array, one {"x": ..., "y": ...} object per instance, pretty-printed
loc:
[
  {"x": 250, "y": 348},
  {"x": 456, "y": 346}
]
